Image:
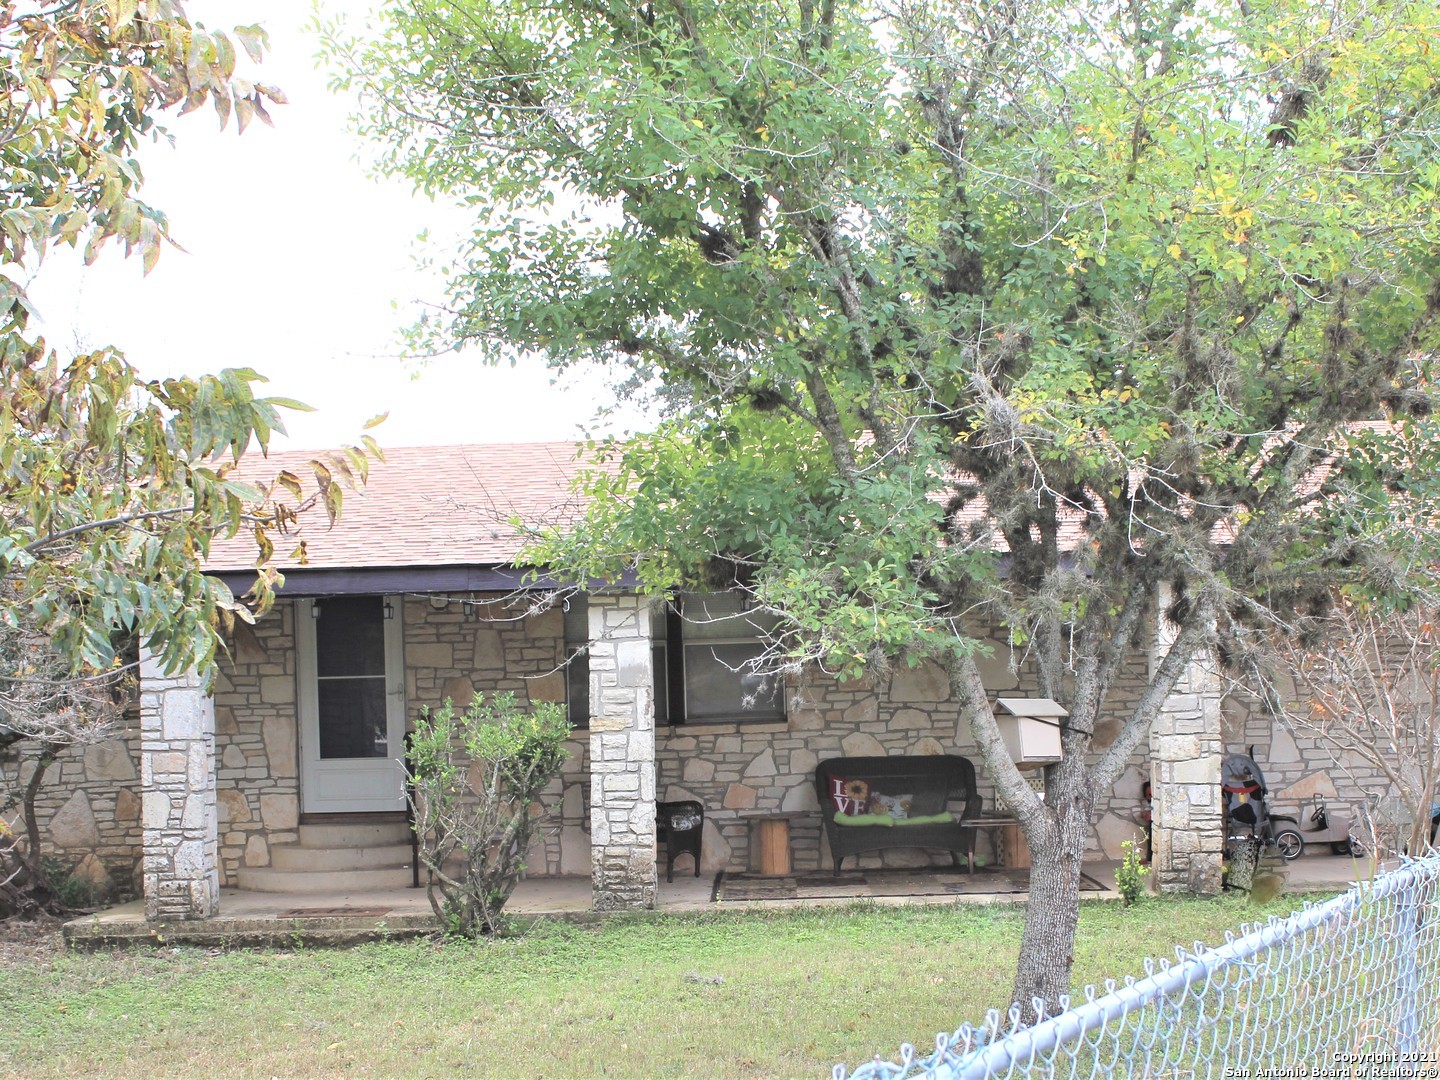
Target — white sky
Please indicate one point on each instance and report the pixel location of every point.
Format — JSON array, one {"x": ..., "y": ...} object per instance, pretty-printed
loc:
[{"x": 299, "y": 266}]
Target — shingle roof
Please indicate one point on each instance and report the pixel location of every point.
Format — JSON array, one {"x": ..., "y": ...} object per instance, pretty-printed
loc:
[
  {"x": 435, "y": 506},
  {"x": 424, "y": 506}
]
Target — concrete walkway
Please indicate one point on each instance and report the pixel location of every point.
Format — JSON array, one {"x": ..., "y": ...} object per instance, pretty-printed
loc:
[{"x": 253, "y": 918}]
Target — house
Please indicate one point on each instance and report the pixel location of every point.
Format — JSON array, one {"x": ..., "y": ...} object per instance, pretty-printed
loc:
[{"x": 413, "y": 598}]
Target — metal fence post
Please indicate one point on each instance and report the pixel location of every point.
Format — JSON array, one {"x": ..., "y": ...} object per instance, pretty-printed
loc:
[{"x": 1407, "y": 940}]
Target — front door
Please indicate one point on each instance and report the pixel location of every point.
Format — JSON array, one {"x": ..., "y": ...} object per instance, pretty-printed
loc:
[{"x": 352, "y": 704}]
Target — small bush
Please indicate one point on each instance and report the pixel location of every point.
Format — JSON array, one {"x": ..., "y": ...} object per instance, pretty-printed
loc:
[
  {"x": 474, "y": 777},
  {"x": 1130, "y": 874},
  {"x": 70, "y": 892}
]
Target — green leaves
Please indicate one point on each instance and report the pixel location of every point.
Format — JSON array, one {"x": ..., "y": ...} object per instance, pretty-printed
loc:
[
  {"x": 994, "y": 311},
  {"x": 114, "y": 488},
  {"x": 476, "y": 781}
]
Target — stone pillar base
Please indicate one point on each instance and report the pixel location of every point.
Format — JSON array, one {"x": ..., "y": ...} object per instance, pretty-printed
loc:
[
  {"x": 623, "y": 880},
  {"x": 178, "y": 901}
]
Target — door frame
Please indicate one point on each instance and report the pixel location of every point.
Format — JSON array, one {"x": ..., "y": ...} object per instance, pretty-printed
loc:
[{"x": 375, "y": 785}]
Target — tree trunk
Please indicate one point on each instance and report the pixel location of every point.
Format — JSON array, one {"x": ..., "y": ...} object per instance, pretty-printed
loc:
[
  {"x": 23, "y": 888},
  {"x": 46, "y": 758},
  {"x": 1052, "y": 913}
]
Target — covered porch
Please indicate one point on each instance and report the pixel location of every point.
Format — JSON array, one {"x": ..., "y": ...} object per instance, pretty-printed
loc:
[{"x": 233, "y": 780}]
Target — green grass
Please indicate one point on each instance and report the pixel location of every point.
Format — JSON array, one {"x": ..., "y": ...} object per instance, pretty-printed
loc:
[{"x": 731, "y": 994}]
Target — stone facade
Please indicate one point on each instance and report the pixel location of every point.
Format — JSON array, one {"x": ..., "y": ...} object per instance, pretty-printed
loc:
[
  {"x": 455, "y": 646},
  {"x": 178, "y": 808},
  {"x": 1298, "y": 767},
  {"x": 740, "y": 771},
  {"x": 256, "y": 748},
  {"x": 89, "y": 810},
  {"x": 460, "y": 645},
  {"x": 622, "y": 754}
]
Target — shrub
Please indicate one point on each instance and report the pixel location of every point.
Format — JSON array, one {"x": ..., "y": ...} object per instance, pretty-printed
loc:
[
  {"x": 1130, "y": 874},
  {"x": 474, "y": 778}
]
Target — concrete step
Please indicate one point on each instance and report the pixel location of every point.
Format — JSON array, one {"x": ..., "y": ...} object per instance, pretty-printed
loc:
[
  {"x": 271, "y": 879},
  {"x": 341, "y": 834},
  {"x": 300, "y": 857}
]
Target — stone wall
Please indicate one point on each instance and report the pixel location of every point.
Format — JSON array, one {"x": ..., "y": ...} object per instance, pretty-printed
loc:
[
  {"x": 738, "y": 771},
  {"x": 1120, "y": 811},
  {"x": 1297, "y": 766},
  {"x": 456, "y": 646},
  {"x": 453, "y": 648},
  {"x": 89, "y": 810},
  {"x": 256, "y": 749}
]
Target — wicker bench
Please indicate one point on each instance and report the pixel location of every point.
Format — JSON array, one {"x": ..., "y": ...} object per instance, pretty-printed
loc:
[{"x": 937, "y": 789}]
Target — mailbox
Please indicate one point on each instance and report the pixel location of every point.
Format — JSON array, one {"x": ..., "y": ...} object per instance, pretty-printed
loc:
[{"x": 1031, "y": 730}]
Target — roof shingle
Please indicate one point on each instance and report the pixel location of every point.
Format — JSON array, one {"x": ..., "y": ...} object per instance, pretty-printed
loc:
[{"x": 424, "y": 506}]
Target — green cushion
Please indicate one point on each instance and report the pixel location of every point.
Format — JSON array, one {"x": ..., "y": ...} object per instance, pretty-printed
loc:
[
  {"x": 926, "y": 819},
  {"x": 864, "y": 819}
]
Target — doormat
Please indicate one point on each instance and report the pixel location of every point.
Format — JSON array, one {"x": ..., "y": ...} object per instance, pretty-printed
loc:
[
  {"x": 333, "y": 912},
  {"x": 859, "y": 884}
]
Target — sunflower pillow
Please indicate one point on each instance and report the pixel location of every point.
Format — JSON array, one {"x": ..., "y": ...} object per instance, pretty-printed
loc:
[{"x": 851, "y": 797}]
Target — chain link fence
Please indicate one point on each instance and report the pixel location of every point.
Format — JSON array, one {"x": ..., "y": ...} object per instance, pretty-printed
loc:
[{"x": 1345, "y": 988}]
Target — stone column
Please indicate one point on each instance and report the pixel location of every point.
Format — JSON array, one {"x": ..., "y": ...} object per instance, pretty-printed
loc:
[
  {"x": 177, "y": 782},
  {"x": 1186, "y": 746},
  {"x": 622, "y": 754}
]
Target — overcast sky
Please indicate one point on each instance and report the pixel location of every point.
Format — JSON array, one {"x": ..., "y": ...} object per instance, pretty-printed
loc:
[{"x": 298, "y": 265}]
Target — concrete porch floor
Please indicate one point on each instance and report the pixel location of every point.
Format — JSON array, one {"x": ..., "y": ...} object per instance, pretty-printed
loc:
[{"x": 253, "y": 918}]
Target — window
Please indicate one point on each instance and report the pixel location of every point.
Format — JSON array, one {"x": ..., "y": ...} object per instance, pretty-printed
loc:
[
  {"x": 703, "y": 655},
  {"x": 350, "y": 677},
  {"x": 705, "y": 670},
  {"x": 577, "y": 667}
]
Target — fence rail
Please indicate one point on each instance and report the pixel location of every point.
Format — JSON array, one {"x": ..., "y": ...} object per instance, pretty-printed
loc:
[{"x": 1347, "y": 988}]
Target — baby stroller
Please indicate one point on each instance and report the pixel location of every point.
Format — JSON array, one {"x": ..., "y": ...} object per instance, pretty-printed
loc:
[{"x": 1248, "y": 820}]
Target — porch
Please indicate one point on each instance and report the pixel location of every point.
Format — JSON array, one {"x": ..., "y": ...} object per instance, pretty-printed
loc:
[
  {"x": 343, "y": 918},
  {"x": 233, "y": 782}
]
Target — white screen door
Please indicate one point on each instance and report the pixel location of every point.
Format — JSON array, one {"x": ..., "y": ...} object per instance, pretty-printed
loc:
[{"x": 352, "y": 704}]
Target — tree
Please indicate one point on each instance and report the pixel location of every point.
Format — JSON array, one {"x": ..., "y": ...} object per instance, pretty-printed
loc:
[
  {"x": 964, "y": 311},
  {"x": 1363, "y": 677},
  {"x": 1367, "y": 686},
  {"x": 115, "y": 485}
]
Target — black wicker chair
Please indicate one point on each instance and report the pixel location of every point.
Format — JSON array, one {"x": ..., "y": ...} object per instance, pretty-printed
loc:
[{"x": 678, "y": 826}]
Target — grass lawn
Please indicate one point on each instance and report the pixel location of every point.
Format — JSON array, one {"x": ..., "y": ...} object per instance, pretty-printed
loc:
[{"x": 730, "y": 994}]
